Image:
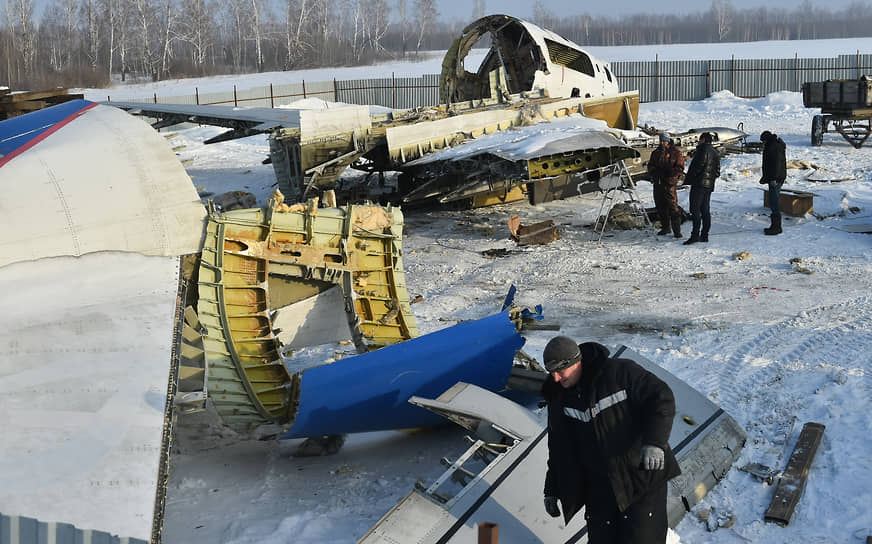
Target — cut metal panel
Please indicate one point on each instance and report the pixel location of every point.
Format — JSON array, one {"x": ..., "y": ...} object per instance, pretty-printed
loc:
[
  {"x": 322, "y": 123},
  {"x": 104, "y": 181},
  {"x": 705, "y": 440},
  {"x": 368, "y": 392},
  {"x": 316, "y": 320}
]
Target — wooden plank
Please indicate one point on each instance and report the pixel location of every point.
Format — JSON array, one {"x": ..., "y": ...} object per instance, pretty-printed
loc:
[
  {"x": 33, "y": 95},
  {"x": 792, "y": 482},
  {"x": 18, "y": 107}
]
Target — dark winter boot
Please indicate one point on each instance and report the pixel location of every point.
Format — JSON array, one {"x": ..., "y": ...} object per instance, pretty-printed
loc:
[
  {"x": 664, "y": 227},
  {"x": 775, "y": 227},
  {"x": 676, "y": 226},
  {"x": 692, "y": 240},
  {"x": 703, "y": 237}
]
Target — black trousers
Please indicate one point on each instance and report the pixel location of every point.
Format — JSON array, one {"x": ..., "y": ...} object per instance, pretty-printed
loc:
[
  {"x": 700, "y": 200},
  {"x": 644, "y": 522}
]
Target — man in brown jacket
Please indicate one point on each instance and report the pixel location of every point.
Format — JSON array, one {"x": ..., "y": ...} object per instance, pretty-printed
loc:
[{"x": 665, "y": 168}]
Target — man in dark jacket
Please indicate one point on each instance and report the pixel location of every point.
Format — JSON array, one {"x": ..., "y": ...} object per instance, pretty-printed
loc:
[
  {"x": 608, "y": 443},
  {"x": 665, "y": 168},
  {"x": 774, "y": 174},
  {"x": 701, "y": 175}
]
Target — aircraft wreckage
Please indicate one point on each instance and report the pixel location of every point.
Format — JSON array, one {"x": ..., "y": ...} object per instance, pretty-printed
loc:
[
  {"x": 455, "y": 152},
  {"x": 530, "y": 76},
  {"x": 252, "y": 288}
]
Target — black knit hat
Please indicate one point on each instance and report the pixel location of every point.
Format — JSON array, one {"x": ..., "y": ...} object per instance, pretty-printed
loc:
[
  {"x": 765, "y": 135},
  {"x": 561, "y": 352}
]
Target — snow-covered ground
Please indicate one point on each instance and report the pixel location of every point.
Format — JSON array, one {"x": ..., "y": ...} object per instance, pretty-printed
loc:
[{"x": 766, "y": 338}]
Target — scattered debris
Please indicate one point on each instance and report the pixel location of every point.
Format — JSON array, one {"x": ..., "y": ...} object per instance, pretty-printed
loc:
[
  {"x": 543, "y": 232},
  {"x": 418, "y": 298},
  {"x": 317, "y": 446},
  {"x": 698, "y": 275},
  {"x": 742, "y": 255},
  {"x": 792, "y": 481},
  {"x": 760, "y": 471},
  {"x": 714, "y": 520},
  {"x": 622, "y": 216},
  {"x": 234, "y": 200},
  {"x": 756, "y": 290},
  {"x": 496, "y": 252},
  {"x": 802, "y": 270}
]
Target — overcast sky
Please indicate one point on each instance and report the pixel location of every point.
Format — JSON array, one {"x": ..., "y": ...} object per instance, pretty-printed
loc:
[{"x": 462, "y": 9}]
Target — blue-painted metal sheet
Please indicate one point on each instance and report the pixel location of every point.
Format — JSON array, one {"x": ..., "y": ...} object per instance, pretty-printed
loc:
[
  {"x": 23, "y": 132},
  {"x": 369, "y": 392}
]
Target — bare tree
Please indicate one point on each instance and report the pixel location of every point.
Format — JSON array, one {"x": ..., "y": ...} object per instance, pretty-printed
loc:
[
  {"x": 425, "y": 13},
  {"x": 478, "y": 9},
  {"x": 90, "y": 14},
  {"x": 20, "y": 14},
  {"x": 257, "y": 30},
  {"x": 195, "y": 29},
  {"x": 377, "y": 22},
  {"x": 542, "y": 16},
  {"x": 722, "y": 12}
]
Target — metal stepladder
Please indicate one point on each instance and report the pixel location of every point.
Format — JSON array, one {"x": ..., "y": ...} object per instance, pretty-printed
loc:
[{"x": 614, "y": 183}]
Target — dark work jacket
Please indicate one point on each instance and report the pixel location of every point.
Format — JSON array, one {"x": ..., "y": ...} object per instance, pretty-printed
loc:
[
  {"x": 628, "y": 407},
  {"x": 705, "y": 167},
  {"x": 666, "y": 165},
  {"x": 774, "y": 160}
]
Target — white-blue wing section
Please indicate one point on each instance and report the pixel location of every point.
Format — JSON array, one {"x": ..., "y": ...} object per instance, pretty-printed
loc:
[{"x": 105, "y": 181}]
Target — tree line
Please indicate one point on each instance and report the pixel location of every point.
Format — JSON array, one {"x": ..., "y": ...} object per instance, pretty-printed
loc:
[{"x": 84, "y": 43}]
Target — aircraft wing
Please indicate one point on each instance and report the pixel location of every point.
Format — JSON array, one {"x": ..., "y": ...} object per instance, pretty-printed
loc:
[
  {"x": 96, "y": 213},
  {"x": 242, "y": 121}
]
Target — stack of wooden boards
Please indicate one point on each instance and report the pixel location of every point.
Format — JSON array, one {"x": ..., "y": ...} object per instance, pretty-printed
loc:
[{"x": 14, "y": 103}]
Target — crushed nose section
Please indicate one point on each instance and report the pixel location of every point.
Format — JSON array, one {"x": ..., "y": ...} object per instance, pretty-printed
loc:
[{"x": 292, "y": 266}]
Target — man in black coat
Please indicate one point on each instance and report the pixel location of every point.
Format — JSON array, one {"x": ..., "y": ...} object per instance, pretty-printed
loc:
[
  {"x": 701, "y": 175},
  {"x": 774, "y": 174},
  {"x": 609, "y": 421}
]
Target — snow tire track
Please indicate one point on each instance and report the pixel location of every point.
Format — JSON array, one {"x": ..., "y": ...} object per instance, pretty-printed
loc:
[{"x": 807, "y": 336}]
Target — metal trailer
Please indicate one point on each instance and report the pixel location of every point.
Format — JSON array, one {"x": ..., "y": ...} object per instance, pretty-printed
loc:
[{"x": 846, "y": 108}]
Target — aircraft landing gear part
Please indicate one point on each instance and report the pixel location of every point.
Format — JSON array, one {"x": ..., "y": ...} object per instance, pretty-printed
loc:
[{"x": 818, "y": 127}]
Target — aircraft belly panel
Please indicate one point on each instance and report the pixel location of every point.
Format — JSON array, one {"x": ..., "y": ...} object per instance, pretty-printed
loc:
[{"x": 368, "y": 392}]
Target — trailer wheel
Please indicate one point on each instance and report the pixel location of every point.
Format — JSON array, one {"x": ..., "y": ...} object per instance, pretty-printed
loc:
[{"x": 817, "y": 131}]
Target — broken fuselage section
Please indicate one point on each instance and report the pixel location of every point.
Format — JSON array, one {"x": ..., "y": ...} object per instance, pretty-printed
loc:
[
  {"x": 276, "y": 283},
  {"x": 529, "y": 75}
]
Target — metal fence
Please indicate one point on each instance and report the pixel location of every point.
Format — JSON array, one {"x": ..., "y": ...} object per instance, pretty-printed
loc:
[
  {"x": 24, "y": 530},
  {"x": 656, "y": 81},
  {"x": 747, "y": 78}
]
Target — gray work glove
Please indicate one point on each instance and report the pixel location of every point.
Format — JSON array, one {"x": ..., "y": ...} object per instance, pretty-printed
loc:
[
  {"x": 653, "y": 458},
  {"x": 551, "y": 507}
]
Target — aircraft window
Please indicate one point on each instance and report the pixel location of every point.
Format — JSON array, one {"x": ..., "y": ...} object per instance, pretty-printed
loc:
[
  {"x": 608, "y": 72},
  {"x": 569, "y": 57}
]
